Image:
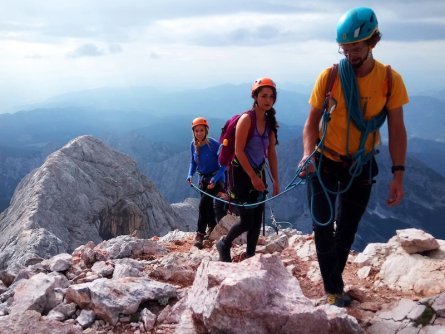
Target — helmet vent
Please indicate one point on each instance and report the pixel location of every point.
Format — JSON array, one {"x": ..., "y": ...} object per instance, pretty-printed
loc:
[{"x": 357, "y": 24}]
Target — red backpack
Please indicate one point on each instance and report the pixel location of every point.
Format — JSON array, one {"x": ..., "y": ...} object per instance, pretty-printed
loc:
[{"x": 227, "y": 139}]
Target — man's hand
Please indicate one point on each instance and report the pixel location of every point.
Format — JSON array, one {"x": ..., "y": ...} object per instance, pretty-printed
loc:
[
  {"x": 395, "y": 192},
  {"x": 308, "y": 167}
]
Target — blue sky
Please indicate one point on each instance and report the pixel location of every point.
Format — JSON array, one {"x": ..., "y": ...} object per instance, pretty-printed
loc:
[{"x": 54, "y": 46}]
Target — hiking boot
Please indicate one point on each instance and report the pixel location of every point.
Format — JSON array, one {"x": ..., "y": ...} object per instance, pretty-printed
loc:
[
  {"x": 249, "y": 255},
  {"x": 199, "y": 240},
  {"x": 347, "y": 299},
  {"x": 209, "y": 231},
  {"x": 338, "y": 299},
  {"x": 224, "y": 251}
]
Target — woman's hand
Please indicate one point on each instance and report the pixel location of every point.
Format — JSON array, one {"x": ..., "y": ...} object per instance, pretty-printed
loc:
[
  {"x": 276, "y": 189},
  {"x": 257, "y": 183}
]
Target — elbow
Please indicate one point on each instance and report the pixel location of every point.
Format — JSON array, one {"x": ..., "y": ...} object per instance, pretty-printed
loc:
[{"x": 238, "y": 151}]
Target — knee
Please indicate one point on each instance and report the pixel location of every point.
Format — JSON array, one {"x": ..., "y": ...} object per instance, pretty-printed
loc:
[{"x": 247, "y": 223}]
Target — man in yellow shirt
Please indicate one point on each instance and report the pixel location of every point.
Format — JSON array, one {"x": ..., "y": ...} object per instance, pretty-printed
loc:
[{"x": 340, "y": 174}]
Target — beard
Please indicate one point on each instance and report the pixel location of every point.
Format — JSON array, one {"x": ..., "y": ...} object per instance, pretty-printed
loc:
[{"x": 357, "y": 63}]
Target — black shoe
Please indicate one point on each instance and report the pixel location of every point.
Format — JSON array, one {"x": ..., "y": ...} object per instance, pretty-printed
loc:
[
  {"x": 347, "y": 299},
  {"x": 209, "y": 231},
  {"x": 199, "y": 239},
  {"x": 339, "y": 299},
  {"x": 224, "y": 251}
]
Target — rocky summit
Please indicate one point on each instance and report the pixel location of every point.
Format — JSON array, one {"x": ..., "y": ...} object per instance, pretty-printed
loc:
[
  {"x": 164, "y": 285},
  {"x": 83, "y": 192}
]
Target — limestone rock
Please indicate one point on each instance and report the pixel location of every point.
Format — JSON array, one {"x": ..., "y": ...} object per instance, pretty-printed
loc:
[
  {"x": 258, "y": 296},
  {"x": 109, "y": 298},
  {"x": 414, "y": 272},
  {"x": 84, "y": 191},
  {"x": 36, "y": 293},
  {"x": 152, "y": 290},
  {"x": 416, "y": 241},
  {"x": 32, "y": 322}
]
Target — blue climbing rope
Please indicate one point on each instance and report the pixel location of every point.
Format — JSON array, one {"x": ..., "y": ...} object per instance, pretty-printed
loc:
[
  {"x": 247, "y": 205},
  {"x": 355, "y": 114},
  {"x": 359, "y": 158}
]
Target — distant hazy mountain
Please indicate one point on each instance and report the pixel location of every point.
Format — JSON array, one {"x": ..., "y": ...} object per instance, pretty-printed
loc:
[
  {"x": 431, "y": 153},
  {"x": 153, "y": 127},
  {"x": 219, "y": 101},
  {"x": 125, "y": 109},
  {"x": 53, "y": 127},
  {"x": 424, "y": 118},
  {"x": 15, "y": 163}
]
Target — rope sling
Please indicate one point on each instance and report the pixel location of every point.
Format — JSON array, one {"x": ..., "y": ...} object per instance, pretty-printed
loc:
[
  {"x": 366, "y": 127},
  {"x": 359, "y": 158}
]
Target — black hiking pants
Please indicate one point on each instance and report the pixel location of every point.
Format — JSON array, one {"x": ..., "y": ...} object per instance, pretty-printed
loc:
[
  {"x": 251, "y": 218},
  {"x": 333, "y": 241},
  {"x": 210, "y": 210}
]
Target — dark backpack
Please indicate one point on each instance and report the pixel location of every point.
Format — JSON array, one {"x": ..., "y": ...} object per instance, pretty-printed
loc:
[{"x": 227, "y": 139}]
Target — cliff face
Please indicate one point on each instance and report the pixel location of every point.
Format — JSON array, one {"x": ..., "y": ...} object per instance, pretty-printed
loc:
[{"x": 82, "y": 192}]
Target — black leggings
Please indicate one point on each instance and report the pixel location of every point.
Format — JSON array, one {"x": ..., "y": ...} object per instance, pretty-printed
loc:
[
  {"x": 209, "y": 212},
  {"x": 251, "y": 218},
  {"x": 333, "y": 244}
]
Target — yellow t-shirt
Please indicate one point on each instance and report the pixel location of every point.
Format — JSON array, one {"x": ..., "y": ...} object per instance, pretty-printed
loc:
[{"x": 373, "y": 90}]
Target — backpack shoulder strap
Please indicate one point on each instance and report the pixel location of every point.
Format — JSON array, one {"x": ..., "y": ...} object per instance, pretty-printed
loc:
[
  {"x": 331, "y": 80},
  {"x": 252, "y": 115},
  {"x": 388, "y": 82}
]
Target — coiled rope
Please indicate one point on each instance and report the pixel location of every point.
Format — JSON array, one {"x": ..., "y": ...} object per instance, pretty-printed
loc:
[{"x": 359, "y": 159}]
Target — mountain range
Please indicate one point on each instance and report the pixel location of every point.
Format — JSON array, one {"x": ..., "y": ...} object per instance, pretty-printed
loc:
[{"x": 153, "y": 127}]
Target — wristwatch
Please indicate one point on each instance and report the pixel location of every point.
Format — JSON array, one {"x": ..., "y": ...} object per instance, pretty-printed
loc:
[{"x": 397, "y": 168}]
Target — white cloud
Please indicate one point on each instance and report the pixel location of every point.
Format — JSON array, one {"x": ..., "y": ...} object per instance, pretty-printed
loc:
[
  {"x": 249, "y": 29},
  {"x": 87, "y": 50},
  {"x": 115, "y": 48},
  {"x": 49, "y": 47}
]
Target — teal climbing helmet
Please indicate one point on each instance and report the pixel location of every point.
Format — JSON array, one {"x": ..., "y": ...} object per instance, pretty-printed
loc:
[{"x": 357, "y": 24}]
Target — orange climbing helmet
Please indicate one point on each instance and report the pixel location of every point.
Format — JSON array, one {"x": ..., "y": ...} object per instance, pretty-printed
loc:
[
  {"x": 200, "y": 121},
  {"x": 261, "y": 82}
]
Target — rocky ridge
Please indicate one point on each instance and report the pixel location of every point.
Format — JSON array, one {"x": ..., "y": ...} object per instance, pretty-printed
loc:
[
  {"x": 83, "y": 192},
  {"x": 165, "y": 285}
]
